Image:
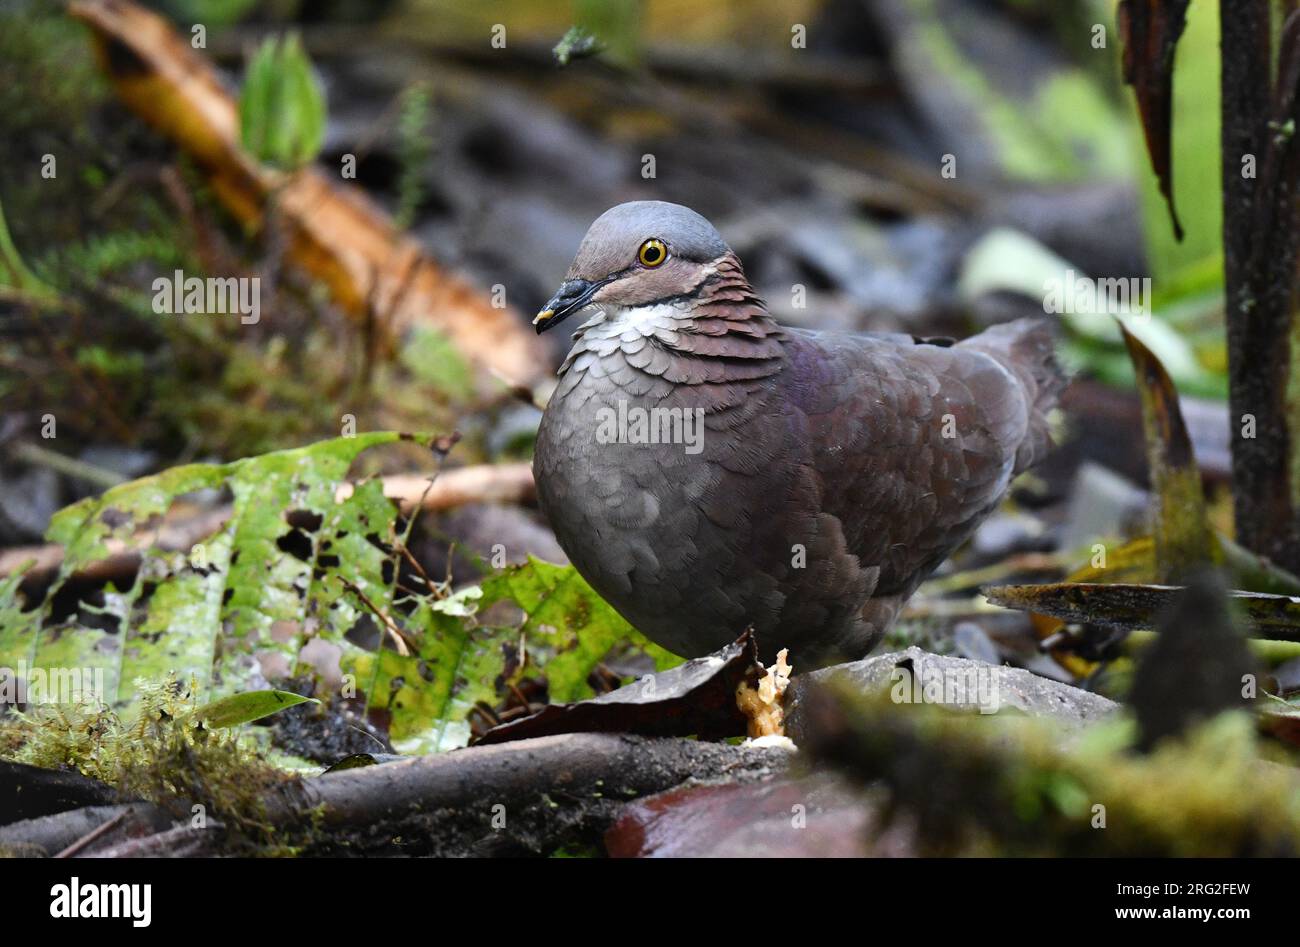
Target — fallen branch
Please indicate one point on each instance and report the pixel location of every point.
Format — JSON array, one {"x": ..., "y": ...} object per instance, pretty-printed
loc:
[
  {"x": 50, "y": 834},
  {"x": 29, "y": 792},
  {"x": 181, "y": 841},
  {"x": 483, "y": 483},
  {"x": 473, "y": 780},
  {"x": 525, "y": 795}
]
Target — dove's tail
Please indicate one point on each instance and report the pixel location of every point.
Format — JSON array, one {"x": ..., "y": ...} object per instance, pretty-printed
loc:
[{"x": 1026, "y": 349}]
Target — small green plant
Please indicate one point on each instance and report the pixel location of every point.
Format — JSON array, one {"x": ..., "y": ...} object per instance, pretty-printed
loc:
[
  {"x": 282, "y": 107},
  {"x": 171, "y": 752},
  {"x": 577, "y": 43},
  {"x": 13, "y": 271},
  {"x": 414, "y": 151}
]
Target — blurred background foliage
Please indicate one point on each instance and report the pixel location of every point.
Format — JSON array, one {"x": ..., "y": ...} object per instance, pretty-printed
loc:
[
  {"x": 1017, "y": 91},
  {"x": 927, "y": 166}
]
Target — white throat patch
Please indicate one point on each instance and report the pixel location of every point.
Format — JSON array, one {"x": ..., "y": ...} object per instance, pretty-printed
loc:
[{"x": 622, "y": 321}]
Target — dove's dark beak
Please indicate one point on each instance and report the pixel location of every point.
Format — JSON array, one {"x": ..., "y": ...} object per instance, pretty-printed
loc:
[{"x": 572, "y": 295}]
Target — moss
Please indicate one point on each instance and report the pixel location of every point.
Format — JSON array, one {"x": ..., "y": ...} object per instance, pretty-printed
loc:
[
  {"x": 162, "y": 755},
  {"x": 1013, "y": 785}
]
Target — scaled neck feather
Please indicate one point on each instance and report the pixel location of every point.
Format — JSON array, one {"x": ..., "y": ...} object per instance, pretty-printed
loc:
[{"x": 721, "y": 320}]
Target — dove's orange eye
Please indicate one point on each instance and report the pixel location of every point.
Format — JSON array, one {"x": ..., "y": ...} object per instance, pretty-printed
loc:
[{"x": 652, "y": 253}]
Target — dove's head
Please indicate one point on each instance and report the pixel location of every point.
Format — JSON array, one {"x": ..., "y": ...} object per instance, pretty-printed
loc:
[{"x": 636, "y": 254}]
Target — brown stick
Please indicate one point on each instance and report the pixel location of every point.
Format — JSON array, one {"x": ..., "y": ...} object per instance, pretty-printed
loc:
[
  {"x": 94, "y": 834},
  {"x": 486, "y": 483}
]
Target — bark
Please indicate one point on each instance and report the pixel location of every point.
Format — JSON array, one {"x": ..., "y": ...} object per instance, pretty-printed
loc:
[
  {"x": 510, "y": 774},
  {"x": 1261, "y": 237}
]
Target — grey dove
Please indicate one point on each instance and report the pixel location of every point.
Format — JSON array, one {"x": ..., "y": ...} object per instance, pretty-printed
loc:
[{"x": 707, "y": 469}]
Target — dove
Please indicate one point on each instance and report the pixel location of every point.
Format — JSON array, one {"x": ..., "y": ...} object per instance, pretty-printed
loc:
[{"x": 708, "y": 470}]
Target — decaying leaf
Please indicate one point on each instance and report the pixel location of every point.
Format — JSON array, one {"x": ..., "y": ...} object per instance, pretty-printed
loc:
[
  {"x": 568, "y": 629},
  {"x": 696, "y": 698},
  {"x": 478, "y": 483},
  {"x": 239, "y": 598},
  {"x": 1281, "y": 719},
  {"x": 462, "y": 662},
  {"x": 1150, "y": 30},
  {"x": 831, "y": 819},
  {"x": 1127, "y": 605},
  {"x": 1183, "y": 538}
]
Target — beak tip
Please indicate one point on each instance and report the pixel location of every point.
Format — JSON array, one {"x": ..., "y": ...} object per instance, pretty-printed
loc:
[{"x": 542, "y": 318}]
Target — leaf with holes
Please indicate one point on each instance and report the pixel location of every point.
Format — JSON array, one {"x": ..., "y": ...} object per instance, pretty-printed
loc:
[{"x": 236, "y": 610}]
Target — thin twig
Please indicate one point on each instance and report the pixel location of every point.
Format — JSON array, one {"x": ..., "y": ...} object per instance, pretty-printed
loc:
[
  {"x": 69, "y": 466},
  {"x": 89, "y": 837},
  {"x": 434, "y": 589},
  {"x": 399, "y": 639}
]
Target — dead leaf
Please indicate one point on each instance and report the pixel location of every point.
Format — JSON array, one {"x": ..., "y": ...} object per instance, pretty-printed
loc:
[
  {"x": 695, "y": 698},
  {"x": 762, "y": 703},
  {"x": 1149, "y": 31},
  {"x": 1129, "y": 605},
  {"x": 818, "y": 817},
  {"x": 1183, "y": 538}
]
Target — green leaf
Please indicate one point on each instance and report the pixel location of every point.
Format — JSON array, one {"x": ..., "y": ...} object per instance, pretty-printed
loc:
[
  {"x": 13, "y": 271},
  {"x": 17, "y": 625},
  {"x": 282, "y": 107},
  {"x": 247, "y": 707},
  {"x": 234, "y": 604},
  {"x": 238, "y": 608},
  {"x": 1006, "y": 260},
  {"x": 1195, "y": 263},
  {"x": 577, "y": 43},
  {"x": 567, "y": 625},
  {"x": 614, "y": 28}
]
